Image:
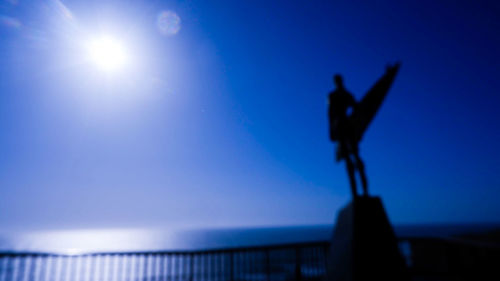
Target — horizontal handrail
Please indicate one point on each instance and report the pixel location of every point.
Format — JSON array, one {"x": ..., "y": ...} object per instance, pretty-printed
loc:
[{"x": 176, "y": 252}]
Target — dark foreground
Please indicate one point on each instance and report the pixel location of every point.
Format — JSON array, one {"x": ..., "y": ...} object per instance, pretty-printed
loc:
[{"x": 427, "y": 259}]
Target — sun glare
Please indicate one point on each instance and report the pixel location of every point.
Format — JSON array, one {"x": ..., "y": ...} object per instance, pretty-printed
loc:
[{"x": 107, "y": 53}]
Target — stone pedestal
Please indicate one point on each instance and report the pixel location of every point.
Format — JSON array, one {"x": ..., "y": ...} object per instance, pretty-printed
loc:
[{"x": 364, "y": 246}]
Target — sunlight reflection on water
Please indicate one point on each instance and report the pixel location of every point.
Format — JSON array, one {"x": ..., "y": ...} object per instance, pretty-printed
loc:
[
  {"x": 137, "y": 240},
  {"x": 130, "y": 240}
]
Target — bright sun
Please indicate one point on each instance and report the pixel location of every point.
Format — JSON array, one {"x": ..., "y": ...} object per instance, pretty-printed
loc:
[{"x": 107, "y": 53}]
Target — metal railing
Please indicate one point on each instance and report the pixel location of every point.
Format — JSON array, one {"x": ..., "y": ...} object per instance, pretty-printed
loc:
[
  {"x": 285, "y": 262},
  {"x": 451, "y": 259},
  {"x": 426, "y": 258}
]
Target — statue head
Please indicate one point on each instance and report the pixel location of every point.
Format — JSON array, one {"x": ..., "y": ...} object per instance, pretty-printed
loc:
[{"x": 338, "y": 81}]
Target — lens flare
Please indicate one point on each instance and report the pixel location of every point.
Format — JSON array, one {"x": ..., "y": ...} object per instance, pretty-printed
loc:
[
  {"x": 10, "y": 22},
  {"x": 168, "y": 22}
]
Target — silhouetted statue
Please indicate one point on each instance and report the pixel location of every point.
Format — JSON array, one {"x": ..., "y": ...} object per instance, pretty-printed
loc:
[
  {"x": 364, "y": 246},
  {"x": 341, "y": 131},
  {"x": 347, "y": 130}
]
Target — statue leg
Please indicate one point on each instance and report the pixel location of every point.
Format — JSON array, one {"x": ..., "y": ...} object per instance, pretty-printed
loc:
[
  {"x": 361, "y": 169},
  {"x": 352, "y": 179}
]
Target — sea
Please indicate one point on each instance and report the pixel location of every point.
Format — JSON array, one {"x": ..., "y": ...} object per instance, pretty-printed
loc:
[{"x": 138, "y": 240}]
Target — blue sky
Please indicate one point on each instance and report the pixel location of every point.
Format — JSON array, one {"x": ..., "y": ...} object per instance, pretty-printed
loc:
[{"x": 224, "y": 123}]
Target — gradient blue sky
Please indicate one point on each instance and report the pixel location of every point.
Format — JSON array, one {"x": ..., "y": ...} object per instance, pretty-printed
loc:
[{"x": 224, "y": 123}]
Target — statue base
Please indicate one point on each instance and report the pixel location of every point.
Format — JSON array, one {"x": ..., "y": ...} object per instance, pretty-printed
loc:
[{"x": 364, "y": 246}]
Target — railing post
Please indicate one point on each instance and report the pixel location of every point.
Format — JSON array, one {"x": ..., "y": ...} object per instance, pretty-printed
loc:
[
  {"x": 298, "y": 271},
  {"x": 326, "y": 257},
  {"x": 268, "y": 265},
  {"x": 191, "y": 267},
  {"x": 231, "y": 265}
]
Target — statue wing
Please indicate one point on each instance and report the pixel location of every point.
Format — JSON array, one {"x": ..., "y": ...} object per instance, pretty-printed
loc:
[{"x": 367, "y": 108}]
